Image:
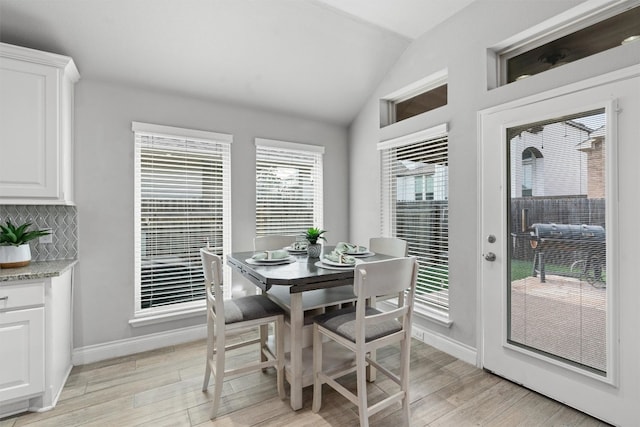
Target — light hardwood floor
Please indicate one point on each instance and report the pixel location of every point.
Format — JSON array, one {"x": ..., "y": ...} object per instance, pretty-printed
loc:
[{"x": 163, "y": 388}]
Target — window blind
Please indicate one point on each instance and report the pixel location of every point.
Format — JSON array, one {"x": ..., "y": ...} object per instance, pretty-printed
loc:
[
  {"x": 288, "y": 188},
  {"x": 182, "y": 203},
  {"x": 415, "y": 208}
]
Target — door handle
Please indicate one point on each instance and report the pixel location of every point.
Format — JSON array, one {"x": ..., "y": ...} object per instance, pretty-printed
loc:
[{"x": 490, "y": 257}]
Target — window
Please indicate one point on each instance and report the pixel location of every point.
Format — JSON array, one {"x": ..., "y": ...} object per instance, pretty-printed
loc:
[
  {"x": 415, "y": 208},
  {"x": 288, "y": 187},
  {"x": 577, "y": 34},
  {"x": 422, "y": 96},
  {"x": 182, "y": 203},
  {"x": 528, "y": 163},
  {"x": 420, "y": 103}
]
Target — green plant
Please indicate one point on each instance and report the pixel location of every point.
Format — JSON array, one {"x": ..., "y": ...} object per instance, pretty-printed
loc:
[
  {"x": 10, "y": 235},
  {"x": 313, "y": 234}
]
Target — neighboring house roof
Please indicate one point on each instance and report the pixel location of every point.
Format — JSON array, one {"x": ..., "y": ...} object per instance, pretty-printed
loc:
[{"x": 596, "y": 136}]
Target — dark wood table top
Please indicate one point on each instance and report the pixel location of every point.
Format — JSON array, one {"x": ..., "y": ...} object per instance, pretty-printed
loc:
[{"x": 301, "y": 275}]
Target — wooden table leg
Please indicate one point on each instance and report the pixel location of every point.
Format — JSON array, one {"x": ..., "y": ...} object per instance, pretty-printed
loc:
[
  {"x": 264, "y": 335},
  {"x": 297, "y": 323}
]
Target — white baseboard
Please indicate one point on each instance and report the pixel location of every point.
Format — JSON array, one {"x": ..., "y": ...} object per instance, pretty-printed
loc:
[
  {"x": 8, "y": 409},
  {"x": 446, "y": 344},
  {"x": 126, "y": 347}
]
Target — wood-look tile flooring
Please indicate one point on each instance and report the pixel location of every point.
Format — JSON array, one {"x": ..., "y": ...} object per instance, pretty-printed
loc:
[{"x": 163, "y": 388}]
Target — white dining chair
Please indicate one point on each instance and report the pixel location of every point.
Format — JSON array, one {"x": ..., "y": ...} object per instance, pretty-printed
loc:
[
  {"x": 363, "y": 329},
  {"x": 271, "y": 242},
  {"x": 388, "y": 246},
  {"x": 240, "y": 313}
]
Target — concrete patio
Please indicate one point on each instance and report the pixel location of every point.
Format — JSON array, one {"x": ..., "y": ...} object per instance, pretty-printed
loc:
[{"x": 563, "y": 316}]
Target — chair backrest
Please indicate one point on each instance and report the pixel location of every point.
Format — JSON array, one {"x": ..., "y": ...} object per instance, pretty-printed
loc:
[
  {"x": 212, "y": 268},
  {"x": 272, "y": 242},
  {"x": 388, "y": 246},
  {"x": 388, "y": 277},
  {"x": 391, "y": 276}
]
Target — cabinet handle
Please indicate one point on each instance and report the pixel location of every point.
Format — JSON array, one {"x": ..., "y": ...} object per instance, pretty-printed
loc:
[{"x": 4, "y": 298}]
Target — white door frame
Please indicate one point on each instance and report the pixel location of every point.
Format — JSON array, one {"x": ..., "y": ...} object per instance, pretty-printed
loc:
[{"x": 622, "y": 392}]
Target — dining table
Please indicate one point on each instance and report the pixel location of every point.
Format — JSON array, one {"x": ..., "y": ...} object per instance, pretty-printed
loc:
[{"x": 304, "y": 287}]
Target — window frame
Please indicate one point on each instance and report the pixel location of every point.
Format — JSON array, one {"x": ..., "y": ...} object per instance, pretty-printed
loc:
[{"x": 221, "y": 143}]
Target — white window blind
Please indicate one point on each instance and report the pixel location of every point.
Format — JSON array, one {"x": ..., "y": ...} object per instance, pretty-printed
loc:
[
  {"x": 288, "y": 187},
  {"x": 182, "y": 203},
  {"x": 415, "y": 208}
]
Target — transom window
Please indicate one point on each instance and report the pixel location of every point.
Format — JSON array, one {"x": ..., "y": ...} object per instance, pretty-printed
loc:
[
  {"x": 420, "y": 103},
  {"x": 419, "y": 97},
  {"x": 577, "y": 37},
  {"x": 289, "y": 187},
  {"x": 182, "y": 203}
]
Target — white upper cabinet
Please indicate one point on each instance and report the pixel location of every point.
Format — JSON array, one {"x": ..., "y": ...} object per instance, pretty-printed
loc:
[{"x": 36, "y": 126}]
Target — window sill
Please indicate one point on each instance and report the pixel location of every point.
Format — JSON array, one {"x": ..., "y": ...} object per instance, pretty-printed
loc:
[
  {"x": 433, "y": 316},
  {"x": 152, "y": 319}
]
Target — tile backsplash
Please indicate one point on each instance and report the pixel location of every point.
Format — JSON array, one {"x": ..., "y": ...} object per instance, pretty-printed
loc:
[{"x": 63, "y": 220}]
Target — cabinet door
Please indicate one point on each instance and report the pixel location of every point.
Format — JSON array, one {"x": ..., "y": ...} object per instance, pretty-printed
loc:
[
  {"x": 21, "y": 353},
  {"x": 29, "y": 131}
]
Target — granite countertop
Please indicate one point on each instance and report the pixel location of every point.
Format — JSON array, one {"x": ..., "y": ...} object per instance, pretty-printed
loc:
[{"x": 37, "y": 270}]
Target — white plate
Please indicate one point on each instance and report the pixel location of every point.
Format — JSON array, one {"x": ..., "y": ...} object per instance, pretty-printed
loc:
[
  {"x": 295, "y": 251},
  {"x": 360, "y": 254},
  {"x": 336, "y": 264},
  {"x": 330, "y": 267},
  {"x": 270, "y": 261}
]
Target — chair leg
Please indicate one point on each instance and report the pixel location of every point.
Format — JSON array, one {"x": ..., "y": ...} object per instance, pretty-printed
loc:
[
  {"x": 405, "y": 354},
  {"x": 371, "y": 370},
  {"x": 279, "y": 336},
  {"x": 264, "y": 334},
  {"x": 218, "y": 375},
  {"x": 210, "y": 349},
  {"x": 317, "y": 369},
  {"x": 361, "y": 369}
]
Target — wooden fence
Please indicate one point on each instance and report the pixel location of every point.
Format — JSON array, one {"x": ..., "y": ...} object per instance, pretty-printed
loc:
[
  {"x": 424, "y": 225},
  {"x": 544, "y": 210}
]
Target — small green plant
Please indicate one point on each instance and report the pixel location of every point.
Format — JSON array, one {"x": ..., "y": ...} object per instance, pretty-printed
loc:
[
  {"x": 10, "y": 235},
  {"x": 313, "y": 234}
]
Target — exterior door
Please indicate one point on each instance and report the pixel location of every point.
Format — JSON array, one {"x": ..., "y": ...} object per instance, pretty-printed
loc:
[{"x": 560, "y": 199}]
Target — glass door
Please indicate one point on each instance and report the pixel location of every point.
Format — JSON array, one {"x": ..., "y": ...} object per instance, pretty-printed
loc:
[{"x": 556, "y": 218}]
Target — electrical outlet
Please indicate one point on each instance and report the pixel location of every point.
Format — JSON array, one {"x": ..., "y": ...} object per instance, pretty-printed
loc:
[{"x": 48, "y": 238}]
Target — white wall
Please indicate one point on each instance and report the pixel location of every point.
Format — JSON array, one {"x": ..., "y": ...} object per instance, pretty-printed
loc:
[
  {"x": 460, "y": 45},
  {"x": 104, "y": 191}
]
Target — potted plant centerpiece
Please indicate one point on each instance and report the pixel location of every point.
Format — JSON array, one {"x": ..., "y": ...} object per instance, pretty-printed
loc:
[
  {"x": 312, "y": 235},
  {"x": 14, "y": 247}
]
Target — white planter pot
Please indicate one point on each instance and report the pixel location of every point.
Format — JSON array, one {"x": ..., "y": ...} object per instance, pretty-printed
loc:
[
  {"x": 15, "y": 256},
  {"x": 313, "y": 250}
]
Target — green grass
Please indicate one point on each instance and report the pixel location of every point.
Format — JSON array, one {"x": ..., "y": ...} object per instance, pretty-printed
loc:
[
  {"x": 521, "y": 269},
  {"x": 433, "y": 278}
]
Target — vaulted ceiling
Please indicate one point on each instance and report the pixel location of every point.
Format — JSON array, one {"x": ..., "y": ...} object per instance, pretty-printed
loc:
[{"x": 319, "y": 59}]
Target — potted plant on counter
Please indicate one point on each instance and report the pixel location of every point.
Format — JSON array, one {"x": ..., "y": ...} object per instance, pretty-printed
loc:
[
  {"x": 313, "y": 235},
  {"x": 14, "y": 247}
]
